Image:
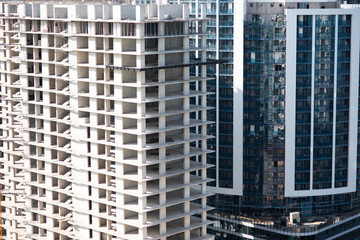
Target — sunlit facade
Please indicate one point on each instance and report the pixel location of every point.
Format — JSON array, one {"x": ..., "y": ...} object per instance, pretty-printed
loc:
[{"x": 102, "y": 135}]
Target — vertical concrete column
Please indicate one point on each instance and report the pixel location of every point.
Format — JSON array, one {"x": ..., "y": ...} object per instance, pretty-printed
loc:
[
  {"x": 142, "y": 232},
  {"x": 140, "y": 61},
  {"x": 116, "y": 12},
  {"x": 117, "y": 46},
  {"x": 91, "y": 11},
  {"x": 140, "y": 11},
  {"x": 161, "y": 87},
  {"x": 21, "y": 10},
  {"x": 140, "y": 45},
  {"x": 162, "y": 92},
  {"x": 185, "y": 11}
]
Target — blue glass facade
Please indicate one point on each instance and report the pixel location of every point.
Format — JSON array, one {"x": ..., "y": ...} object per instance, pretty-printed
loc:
[
  {"x": 342, "y": 104},
  {"x": 318, "y": 95},
  {"x": 223, "y": 42},
  {"x": 331, "y": 93},
  {"x": 225, "y": 103},
  {"x": 220, "y": 45},
  {"x": 264, "y": 101},
  {"x": 303, "y": 103},
  {"x": 321, "y": 135},
  {"x": 323, "y": 101}
]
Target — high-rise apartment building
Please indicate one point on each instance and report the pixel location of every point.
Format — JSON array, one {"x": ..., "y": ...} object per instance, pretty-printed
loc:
[
  {"x": 103, "y": 130},
  {"x": 294, "y": 115},
  {"x": 300, "y": 106},
  {"x": 220, "y": 43},
  {"x": 296, "y": 79}
]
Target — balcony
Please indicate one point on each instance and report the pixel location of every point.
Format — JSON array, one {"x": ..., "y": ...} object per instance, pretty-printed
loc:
[{"x": 172, "y": 169}]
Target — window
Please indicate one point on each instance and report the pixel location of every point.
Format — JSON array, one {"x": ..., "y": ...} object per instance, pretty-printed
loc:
[
  {"x": 128, "y": 29},
  {"x": 99, "y": 28},
  {"x": 174, "y": 28},
  {"x": 151, "y": 29},
  {"x": 255, "y": 17},
  {"x": 82, "y": 27}
]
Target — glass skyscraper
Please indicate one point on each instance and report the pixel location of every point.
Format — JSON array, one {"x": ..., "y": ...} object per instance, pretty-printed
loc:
[
  {"x": 286, "y": 107},
  {"x": 220, "y": 42},
  {"x": 264, "y": 111}
]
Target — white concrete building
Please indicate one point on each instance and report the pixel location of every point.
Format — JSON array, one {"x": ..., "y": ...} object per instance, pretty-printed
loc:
[{"x": 103, "y": 132}]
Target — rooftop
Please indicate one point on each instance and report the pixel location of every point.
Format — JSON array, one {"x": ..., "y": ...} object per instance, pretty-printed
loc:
[{"x": 98, "y": 11}]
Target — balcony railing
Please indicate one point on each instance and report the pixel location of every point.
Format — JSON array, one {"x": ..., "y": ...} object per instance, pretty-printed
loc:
[{"x": 288, "y": 230}]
